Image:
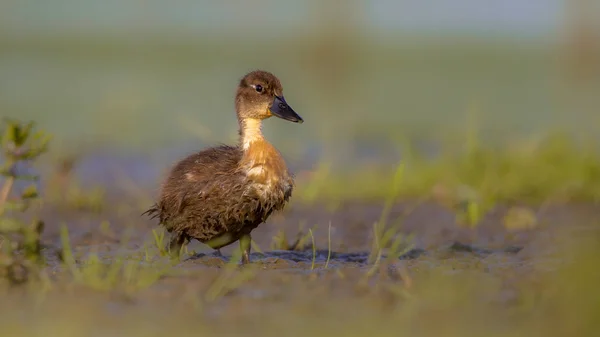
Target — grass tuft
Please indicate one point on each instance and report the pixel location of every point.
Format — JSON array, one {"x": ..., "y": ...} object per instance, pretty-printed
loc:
[
  {"x": 20, "y": 245},
  {"x": 552, "y": 168}
]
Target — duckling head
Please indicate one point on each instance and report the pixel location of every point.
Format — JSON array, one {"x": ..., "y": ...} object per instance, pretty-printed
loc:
[{"x": 260, "y": 96}]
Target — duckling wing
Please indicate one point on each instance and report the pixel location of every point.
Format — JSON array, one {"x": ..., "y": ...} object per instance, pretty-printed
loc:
[{"x": 200, "y": 189}]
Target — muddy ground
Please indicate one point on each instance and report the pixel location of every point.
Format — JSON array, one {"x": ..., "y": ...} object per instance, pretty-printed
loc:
[
  {"x": 433, "y": 227},
  {"x": 293, "y": 290}
]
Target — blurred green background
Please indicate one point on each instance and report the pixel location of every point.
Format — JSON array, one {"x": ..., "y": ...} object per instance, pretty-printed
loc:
[
  {"x": 128, "y": 87},
  {"x": 143, "y": 76}
]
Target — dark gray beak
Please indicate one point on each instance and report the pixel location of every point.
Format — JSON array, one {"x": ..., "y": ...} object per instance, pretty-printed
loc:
[{"x": 281, "y": 109}]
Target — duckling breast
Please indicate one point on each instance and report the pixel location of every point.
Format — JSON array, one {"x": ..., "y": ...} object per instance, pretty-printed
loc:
[
  {"x": 267, "y": 183},
  {"x": 268, "y": 175}
]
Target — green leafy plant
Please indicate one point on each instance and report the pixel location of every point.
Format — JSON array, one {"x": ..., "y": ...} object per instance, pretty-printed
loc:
[{"x": 19, "y": 242}]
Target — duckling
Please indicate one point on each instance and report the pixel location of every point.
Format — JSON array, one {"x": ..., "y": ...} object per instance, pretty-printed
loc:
[{"x": 219, "y": 195}]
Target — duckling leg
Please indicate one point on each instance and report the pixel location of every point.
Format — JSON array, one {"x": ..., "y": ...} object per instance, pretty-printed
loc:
[
  {"x": 178, "y": 240},
  {"x": 245, "y": 245}
]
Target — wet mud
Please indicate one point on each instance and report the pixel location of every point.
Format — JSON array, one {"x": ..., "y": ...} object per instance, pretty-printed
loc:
[
  {"x": 283, "y": 289},
  {"x": 342, "y": 237},
  {"x": 344, "y": 275}
]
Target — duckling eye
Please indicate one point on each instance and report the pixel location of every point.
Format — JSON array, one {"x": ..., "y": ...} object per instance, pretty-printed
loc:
[{"x": 258, "y": 88}]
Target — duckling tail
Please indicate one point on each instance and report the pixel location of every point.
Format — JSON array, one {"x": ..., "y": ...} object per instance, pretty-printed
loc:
[{"x": 153, "y": 212}]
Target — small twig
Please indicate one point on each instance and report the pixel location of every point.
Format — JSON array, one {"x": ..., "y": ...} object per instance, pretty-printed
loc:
[
  {"x": 314, "y": 249},
  {"x": 328, "y": 246},
  {"x": 4, "y": 192}
]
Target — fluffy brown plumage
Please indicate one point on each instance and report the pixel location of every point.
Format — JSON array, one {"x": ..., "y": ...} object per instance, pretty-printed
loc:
[{"x": 219, "y": 195}]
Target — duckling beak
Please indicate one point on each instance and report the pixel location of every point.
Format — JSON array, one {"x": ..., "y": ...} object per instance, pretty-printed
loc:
[{"x": 281, "y": 109}]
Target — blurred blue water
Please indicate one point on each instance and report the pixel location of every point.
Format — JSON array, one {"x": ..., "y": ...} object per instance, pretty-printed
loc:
[{"x": 264, "y": 18}]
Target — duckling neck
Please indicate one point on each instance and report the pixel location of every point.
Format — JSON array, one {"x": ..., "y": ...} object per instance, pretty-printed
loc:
[
  {"x": 260, "y": 160},
  {"x": 250, "y": 132}
]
